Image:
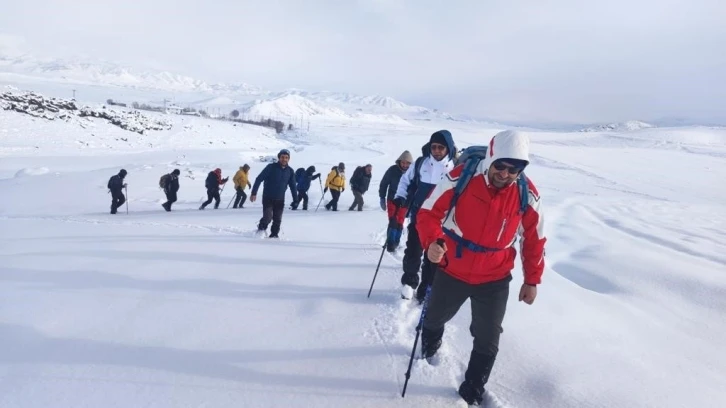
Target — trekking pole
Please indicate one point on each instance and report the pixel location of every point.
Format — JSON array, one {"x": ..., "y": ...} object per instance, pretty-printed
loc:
[
  {"x": 439, "y": 241},
  {"x": 127, "y": 200},
  {"x": 320, "y": 202},
  {"x": 377, "y": 267},
  {"x": 230, "y": 201}
]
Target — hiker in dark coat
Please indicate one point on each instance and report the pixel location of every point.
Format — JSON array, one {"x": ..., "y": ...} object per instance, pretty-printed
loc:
[
  {"x": 277, "y": 178},
  {"x": 303, "y": 178},
  {"x": 359, "y": 184},
  {"x": 116, "y": 185},
  {"x": 171, "y": 186},
  {"x": 387, "y": 192},
  {"x": 213, "y": 181}
]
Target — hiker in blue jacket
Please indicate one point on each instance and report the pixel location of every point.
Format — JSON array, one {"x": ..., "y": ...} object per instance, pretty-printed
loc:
[
  {"x": 303, "y": 178},
  {"x": 277, "y": 177}
]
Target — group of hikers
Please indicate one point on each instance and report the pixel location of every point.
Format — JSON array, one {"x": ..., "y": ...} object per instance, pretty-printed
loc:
[{"x": 465, "y": 210}]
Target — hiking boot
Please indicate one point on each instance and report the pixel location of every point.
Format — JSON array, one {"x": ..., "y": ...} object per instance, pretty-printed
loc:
[
  {"x": 476, "y": 376},
  {"x": 273, "y": 235},
  {"x": 472, "y": 393},
  {"x": 430, "y": 341}
]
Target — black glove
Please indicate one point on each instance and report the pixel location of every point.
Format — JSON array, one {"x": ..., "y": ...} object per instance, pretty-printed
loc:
[
  {"x": 399, "y": 201},
  {"x": 224, "y": 180},
  {"x": 383, "y": 203},
  {"x": 325, "y": 190}
]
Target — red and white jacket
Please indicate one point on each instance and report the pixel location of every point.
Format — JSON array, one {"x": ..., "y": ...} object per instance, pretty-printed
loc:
[{"x": 489, "y": 217}]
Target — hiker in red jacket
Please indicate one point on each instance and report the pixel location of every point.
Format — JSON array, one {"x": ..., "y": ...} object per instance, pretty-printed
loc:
[{"x": 477, "y": 256}]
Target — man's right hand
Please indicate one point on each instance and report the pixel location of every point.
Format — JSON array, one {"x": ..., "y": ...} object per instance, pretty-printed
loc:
[
  {"x": 325, "y": 191},
  {"x": 399, "y": 201},
  {"x": 253, "y": 198},
  {"x": 383, "y": 203},
  {"x": 436, "y": 252}
]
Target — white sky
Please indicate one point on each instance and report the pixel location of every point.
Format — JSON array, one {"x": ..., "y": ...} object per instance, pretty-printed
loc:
[{"x": 523, "y": 60}]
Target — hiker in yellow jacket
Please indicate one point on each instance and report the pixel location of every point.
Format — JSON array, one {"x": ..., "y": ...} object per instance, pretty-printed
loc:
[
  {"x": 336, "y": 183},
  {"x": 241, "y": 181}
]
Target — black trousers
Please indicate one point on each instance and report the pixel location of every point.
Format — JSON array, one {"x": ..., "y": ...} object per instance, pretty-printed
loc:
[
  {"x": 412, "y": 262},
  {"x": 488, "y": 306},
  {"x": 117, "y": 200},
  {"x": 333, "y": 204},
  {"x": 302, "y": 196},
  {"x": 240, "y": 198},
  {"x": 170, "y": 199},
  {"x": 212, "y": 194},
  {"x": 271, "y": 211}
]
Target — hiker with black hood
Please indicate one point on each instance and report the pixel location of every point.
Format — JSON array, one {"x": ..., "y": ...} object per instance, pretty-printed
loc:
[
  {"x": 212, "y": 183},
  {"x": 116, "y": 185},
  {"x": 336, "y": 183},
  {"x": 415, "y": 185},
  {"x": 359, "y": 184},
  {"x": 171, "y": 186},
  {"x": 277, "y": 177},
  {"x": 303, "y": 178},
  {"x": 387, "y": 192}
]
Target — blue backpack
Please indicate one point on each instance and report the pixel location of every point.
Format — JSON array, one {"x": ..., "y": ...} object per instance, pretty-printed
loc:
[
  {"x": 470, "y": 157},
  {"x": 300, "y": 175}
]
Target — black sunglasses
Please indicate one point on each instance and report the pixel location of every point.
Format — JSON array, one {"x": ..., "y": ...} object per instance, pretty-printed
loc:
[{"x": 499, "y": 166}]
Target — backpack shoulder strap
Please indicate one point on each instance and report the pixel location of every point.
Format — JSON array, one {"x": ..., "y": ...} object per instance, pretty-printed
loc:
[
  {"x": 523, "y": 193},
  {"x": 417, "y": 170},
  {"x": 466, "y": 174}
]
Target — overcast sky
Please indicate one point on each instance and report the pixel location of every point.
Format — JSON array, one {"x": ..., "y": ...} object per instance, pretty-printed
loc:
[{"x": 517, "y": 60}]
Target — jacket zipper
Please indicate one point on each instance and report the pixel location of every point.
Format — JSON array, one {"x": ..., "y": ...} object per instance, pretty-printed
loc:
[{"x": 501, "y": 231}]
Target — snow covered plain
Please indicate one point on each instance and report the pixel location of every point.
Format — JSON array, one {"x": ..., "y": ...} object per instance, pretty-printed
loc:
[{"x": 189, "y": 309}]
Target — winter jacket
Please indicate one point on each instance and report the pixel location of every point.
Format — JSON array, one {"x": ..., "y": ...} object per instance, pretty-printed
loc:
[
  {"x": 306, "y": 178},
  {"x": 488, "y": 217},
  {"x": 360, "y": 180},
  {"x": 413, "y": 189},
  {"x": 213, "y": 181},
  {"x": 172, "y": 184},
  {"x": 277, "y": 179},
  {"x": 389, "y": 182},
  {"x": 335, "y": 180},
  {"x": 241, "y": 179},
  {"x": 116, "y": 184}
]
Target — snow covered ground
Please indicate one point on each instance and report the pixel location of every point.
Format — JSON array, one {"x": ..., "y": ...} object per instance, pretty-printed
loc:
[{"x": 189, "y": 309}]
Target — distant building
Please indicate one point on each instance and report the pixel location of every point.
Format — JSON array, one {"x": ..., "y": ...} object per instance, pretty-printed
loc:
[{"x": 177, "y": 110}]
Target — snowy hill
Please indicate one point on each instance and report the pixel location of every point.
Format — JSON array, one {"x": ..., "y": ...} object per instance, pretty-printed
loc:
[
  {"x": 619, "y": 127},
  {"x": 108, "y": 73},
  {"x": 294, "y": 107}
]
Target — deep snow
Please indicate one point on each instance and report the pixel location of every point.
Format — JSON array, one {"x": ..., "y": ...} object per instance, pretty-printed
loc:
[{"x": 190, "y": 309}]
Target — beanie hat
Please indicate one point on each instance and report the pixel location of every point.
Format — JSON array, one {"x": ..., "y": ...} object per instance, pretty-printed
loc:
[
  {"x": 405, "y": 156},
  {"x": 122, "y": 173},
  {"x": 439, "y": 138},
  {"x": 283, "y": 151},
  {"x": 245, "y": 167},
  {"x": 218, "y": 170},
  {"x": 341, "y": 166},
  {"x": 176, "y": 172}
]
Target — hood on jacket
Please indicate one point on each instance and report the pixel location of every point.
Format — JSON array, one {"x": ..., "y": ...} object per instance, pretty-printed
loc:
[
  {"x": 405, "y": 156},
  {"x": 245, "y": 167},
  {"x": 450, "y": 146},
  {"x": 310, "y": 170},
  {"x": 508, "y": 144},
  {"x": 218, "y": 172}
]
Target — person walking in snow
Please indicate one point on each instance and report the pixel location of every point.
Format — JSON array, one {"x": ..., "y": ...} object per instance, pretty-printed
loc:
[
  {"x": 413, "y": 188},
  {"x": 483, "y": 229},
  {"x": 212, "y": 183},
  {"x": 336, "y": 184},
  {"x": 387, "y": 192},
  {"x": 277, "y": 178},
  {"x": 241, "y": 181},
  {"x": 116, "y": 185},
  {"x": 359, "y": 184},
  {"x": 171, "y": 186},
  {"x": 304, "y": 178}
]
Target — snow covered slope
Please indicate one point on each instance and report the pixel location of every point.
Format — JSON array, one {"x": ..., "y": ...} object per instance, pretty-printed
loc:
[
  {"x": 619, "y": 127},
  {"x": 190, "y": 308}
]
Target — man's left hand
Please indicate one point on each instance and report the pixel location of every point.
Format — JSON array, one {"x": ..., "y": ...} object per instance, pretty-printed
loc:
[{"x": 527, "y": 293}]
